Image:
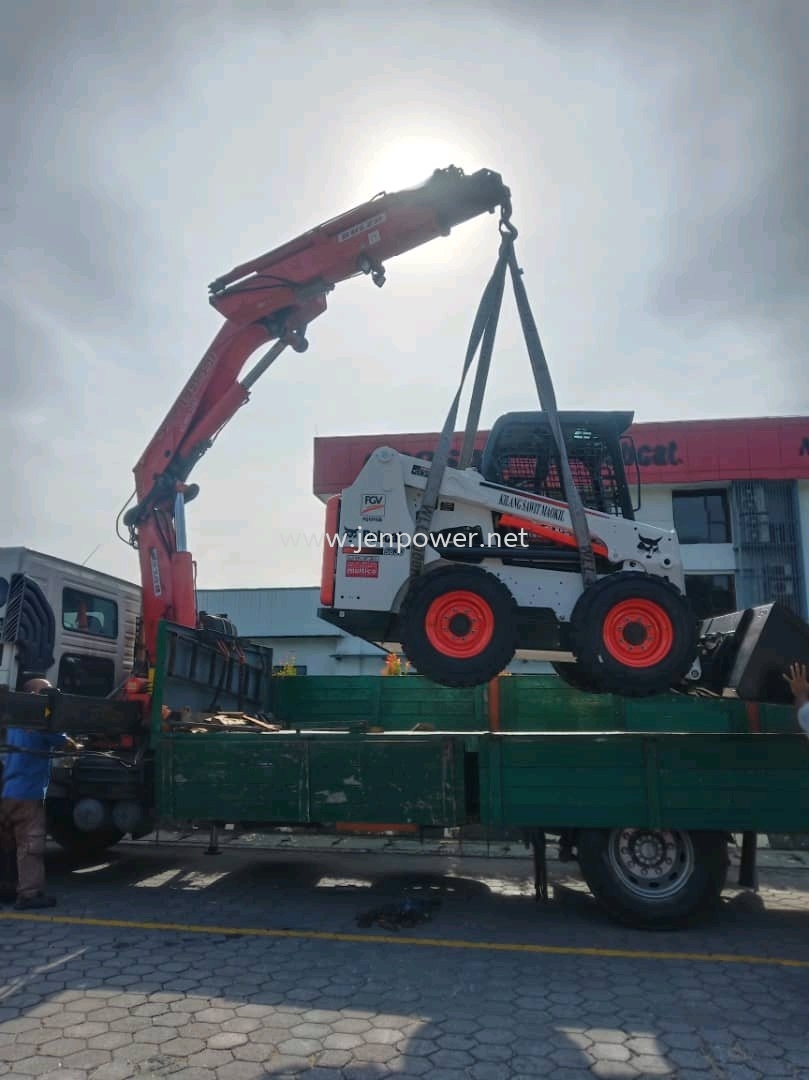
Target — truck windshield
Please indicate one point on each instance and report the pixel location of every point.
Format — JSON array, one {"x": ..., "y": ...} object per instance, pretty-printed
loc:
[{"x": 89, "y": 614}]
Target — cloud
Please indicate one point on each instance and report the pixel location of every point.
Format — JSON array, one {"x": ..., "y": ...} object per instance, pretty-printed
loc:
[
  {"x": 739, "y": 226},
  {"x": 658, "y": 158},
  {"x": 727, "y": 88}
]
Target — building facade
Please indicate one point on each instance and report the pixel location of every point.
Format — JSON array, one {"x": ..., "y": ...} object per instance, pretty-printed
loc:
[
  {"x": 736, "y": 491},
  {"x": 285, "y": 619}
]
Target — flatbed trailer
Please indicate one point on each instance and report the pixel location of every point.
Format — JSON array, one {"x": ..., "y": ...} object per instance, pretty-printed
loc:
[{"x": 645, "y": 794}]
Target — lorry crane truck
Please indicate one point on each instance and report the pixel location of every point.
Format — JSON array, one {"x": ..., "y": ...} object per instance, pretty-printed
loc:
[
  {"x": 518, "y": 557},
  {"x": 646, "y": 794}
]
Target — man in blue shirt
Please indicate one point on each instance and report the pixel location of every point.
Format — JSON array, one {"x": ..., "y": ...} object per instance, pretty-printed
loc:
[{"x": 26, "y": 775}]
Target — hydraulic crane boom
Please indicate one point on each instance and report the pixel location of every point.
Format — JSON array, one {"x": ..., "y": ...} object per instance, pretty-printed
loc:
[{"x": 271, "y": 298}]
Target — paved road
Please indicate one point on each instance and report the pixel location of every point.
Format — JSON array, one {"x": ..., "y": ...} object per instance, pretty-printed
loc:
[{"x": 253, "y": 966}]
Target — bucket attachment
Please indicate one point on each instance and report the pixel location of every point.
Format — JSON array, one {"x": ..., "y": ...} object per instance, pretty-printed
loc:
[{"x": 745, "y": 654}]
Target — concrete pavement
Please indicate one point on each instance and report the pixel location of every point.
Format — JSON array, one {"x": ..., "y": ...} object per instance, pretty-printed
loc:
[{"x": 250, "y": 964}]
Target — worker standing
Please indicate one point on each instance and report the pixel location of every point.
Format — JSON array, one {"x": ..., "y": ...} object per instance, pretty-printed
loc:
[
  {"x": 8, "y": 852},
  {"x": 26, "y": 775},
  {"x": 799, "y": 685}
]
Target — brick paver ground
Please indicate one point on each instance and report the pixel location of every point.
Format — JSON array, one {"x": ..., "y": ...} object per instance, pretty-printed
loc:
[{"x": 112, "y": 1002}]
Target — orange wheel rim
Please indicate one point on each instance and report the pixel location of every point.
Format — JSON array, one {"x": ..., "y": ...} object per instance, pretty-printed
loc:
[
  {"x": 638, "y": 633},
  {"x": 459, "y": 624}
]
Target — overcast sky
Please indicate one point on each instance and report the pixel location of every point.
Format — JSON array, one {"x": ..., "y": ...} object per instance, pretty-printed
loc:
[{"x": 657, "y": 156}]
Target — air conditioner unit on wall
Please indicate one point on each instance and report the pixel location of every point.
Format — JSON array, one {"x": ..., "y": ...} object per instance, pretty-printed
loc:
[{"x": 781, "y": 578}]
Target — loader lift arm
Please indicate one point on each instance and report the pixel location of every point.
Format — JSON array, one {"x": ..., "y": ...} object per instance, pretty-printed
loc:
[{"x": 272, "y": 298}]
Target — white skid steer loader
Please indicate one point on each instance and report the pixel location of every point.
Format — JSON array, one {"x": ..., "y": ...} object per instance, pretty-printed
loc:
[
  {"x": 537, "y": 553},
  {"x": 501, "y": 575}
]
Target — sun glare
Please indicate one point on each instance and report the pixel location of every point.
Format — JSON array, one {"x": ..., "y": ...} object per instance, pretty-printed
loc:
[{"x": 405, "y": 160}]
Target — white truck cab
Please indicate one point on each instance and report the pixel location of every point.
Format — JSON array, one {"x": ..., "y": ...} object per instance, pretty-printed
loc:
[{"x": 67, "y": 623}]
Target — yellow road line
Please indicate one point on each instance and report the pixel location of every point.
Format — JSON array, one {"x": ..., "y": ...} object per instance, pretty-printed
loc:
[{"x": 434, "y": 943}]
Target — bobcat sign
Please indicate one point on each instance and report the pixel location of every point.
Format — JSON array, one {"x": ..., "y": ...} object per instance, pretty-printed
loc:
[{"x": 675, "y": 452}]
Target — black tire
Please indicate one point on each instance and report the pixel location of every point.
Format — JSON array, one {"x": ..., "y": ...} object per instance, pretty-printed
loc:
[
  {"x": 671, "y": 894},
  {"x": 79, "y": 844},
  {"x": 606, "y": 653},
  {"x": 468, "y": 646},
  {"x": 573, "y": 676}
]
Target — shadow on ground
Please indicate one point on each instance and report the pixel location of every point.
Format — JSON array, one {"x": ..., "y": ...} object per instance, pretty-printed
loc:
[{"x": 117, "y": 1002}]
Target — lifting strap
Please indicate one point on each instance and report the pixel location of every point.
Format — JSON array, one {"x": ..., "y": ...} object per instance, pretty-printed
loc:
[{"x": 483, "y": 333}]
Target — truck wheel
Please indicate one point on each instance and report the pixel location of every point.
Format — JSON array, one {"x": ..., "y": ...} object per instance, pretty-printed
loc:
[
  {"x": 79, "y": 844},
  {"x": 634, "y": 635},
  {"x": 458, "y": 626},
  {"x": 654, "y": 879}
]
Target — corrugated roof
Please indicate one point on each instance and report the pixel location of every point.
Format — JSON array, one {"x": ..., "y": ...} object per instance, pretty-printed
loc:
[{"x": 281, "y": 612}]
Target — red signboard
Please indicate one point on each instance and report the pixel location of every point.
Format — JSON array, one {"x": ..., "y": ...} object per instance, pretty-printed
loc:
[{"x": 671, "y": 452}]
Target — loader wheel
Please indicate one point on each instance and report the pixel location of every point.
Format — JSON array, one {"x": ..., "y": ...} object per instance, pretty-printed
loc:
[
  {"x": 458, "y": 626},
  {"x": 573, "y": 676},
  {"x": 634, "y": 635}
]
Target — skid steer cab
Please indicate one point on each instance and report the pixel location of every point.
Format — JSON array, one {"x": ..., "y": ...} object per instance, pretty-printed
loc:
[{"x": 498, "y": 574}]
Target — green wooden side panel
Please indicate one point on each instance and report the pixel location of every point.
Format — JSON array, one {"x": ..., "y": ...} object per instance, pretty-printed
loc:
[
  {"x": 421, "y": 701},
  {"x": 326, "y": 701},
  {"x": 395, "y": 704},
  {"x": 412, "y": 780},
  {"x": 566, "y": 780},
  {"x": 563, "y": 758},
  {"x": 686, "y": 781},
  {"x": 758, "y": 782},
  {"x": 319, "y": 778},
  {"x": 671, "y": 713},
  {"x": 233, "y": 777},
  {"x": 528, "y": 703},
  {"x": 777, "y": 719},
  {"x": 545, "y": 703}
]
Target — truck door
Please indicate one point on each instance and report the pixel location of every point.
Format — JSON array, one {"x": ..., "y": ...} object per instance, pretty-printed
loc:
[{"x": 88, "y": 642}]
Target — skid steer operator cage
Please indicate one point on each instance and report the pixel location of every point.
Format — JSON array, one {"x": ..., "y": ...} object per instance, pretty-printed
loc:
[{"x": 521, "y": 453}]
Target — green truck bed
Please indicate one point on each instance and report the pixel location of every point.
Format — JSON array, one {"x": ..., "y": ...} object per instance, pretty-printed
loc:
[
  {"x": 529, "y": 752},
  {"x": 644, "y": 794},
  {"x": 687, "y": 764}
]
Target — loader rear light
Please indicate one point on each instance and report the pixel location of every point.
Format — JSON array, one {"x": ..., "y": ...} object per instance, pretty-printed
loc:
[{"x": 329, "y": 561}]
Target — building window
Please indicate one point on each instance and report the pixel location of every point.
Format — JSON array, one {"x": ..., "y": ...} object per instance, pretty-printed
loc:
[
  {"x": 701, "y": 517},
  {"x": 89, "y": 614},
  {"x": 711, "y": 594}
]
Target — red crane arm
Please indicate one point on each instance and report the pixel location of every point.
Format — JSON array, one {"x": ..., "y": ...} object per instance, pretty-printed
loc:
[{"x": 272, "y": 298}]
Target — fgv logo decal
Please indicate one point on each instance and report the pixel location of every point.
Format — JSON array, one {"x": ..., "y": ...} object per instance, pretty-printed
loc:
[{"x": 373, "y": 508}]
